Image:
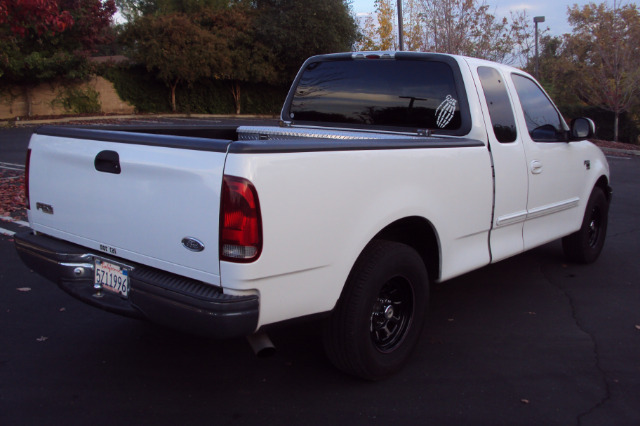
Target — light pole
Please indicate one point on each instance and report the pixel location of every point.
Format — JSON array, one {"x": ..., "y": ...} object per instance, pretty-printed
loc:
[
  {"x": 400, "y": 44},
  {"x": 536, "y": 20}
]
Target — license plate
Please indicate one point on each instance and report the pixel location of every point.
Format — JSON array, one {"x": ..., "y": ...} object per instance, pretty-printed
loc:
[{"x": 111, "y": 277}]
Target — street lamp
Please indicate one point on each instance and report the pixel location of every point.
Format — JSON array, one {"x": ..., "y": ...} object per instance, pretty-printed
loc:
[
  {"x": 537, "y": 19},
  {"x": 400, "y": 25}
]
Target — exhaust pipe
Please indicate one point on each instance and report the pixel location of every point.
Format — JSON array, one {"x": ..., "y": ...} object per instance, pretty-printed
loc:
[{"x": 261, "y": 345}]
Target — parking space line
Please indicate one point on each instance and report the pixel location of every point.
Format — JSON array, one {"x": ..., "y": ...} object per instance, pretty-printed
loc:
[
  {"x": 12, "y": 166},
  {"x": 6, "y": 232},
  {"x": 12, "y": 220}
]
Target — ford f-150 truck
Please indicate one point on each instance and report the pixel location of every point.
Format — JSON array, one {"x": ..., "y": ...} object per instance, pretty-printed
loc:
[{"x": 389, "y": 171}]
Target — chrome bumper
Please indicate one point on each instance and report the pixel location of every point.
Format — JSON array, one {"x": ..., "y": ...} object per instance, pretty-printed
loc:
[{"x": 159, "y": 296}]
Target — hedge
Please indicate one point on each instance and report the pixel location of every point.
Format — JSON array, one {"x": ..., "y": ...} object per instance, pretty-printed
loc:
[
  {"x": 210, "y": 96},
  {"x": 628, "y": 130}
]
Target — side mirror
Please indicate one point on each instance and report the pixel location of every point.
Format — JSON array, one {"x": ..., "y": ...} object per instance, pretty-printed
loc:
[{"x": 582, "y": 128}]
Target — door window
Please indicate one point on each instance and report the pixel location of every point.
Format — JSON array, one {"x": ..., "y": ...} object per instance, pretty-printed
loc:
[{"x": 543, "y": 120}]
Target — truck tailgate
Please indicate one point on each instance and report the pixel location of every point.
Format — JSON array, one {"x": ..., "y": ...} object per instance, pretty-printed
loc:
[{"x": 151, "y": 199}]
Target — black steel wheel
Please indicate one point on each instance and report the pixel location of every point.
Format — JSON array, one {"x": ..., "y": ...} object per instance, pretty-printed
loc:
[
  {"x": 585, "y": 245},
  {"x": 391, "y": 314},
  {"x": 380, "y": 315}
]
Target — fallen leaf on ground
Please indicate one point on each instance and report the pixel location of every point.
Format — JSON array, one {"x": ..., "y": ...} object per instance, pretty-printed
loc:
[
  {"x": 525, "y": 401},
  {"x": 12, "y": 201}
]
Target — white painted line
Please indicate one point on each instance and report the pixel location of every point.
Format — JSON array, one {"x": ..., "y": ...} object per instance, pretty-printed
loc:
[
  {"x": 10, "y": 219},
  {"x": 6, "y": 232},
  {"x": 12, "y": 166}
]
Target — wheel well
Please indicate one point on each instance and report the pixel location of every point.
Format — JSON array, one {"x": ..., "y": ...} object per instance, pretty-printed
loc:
[
  {"x": 603, "y": 184},
  {"x": 418, "y": 233}
]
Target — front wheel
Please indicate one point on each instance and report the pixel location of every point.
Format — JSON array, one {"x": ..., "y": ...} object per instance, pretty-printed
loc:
[
  {"x": 585, "y": 245},
  {"x": 379, "y": 317}
]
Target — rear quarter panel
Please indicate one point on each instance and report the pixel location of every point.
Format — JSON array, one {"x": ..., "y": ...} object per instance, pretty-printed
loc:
[{"x": 320, "y": 209}]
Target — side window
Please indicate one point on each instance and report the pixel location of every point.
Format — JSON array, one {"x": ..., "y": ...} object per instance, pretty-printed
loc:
[
  {"x": 543, "y": 121},
  {"x": 495, "y": 93}
]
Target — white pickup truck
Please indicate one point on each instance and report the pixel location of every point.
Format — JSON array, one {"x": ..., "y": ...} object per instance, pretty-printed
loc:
[{"x": 389, "y": 171}]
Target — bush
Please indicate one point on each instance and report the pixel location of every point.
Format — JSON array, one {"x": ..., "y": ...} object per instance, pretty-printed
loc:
[
  {"x": 136, "y": 86},
  {"x": 263, "y": 99},
  {"x": 205, "y": 97},
  {"x": 80, "y": 101}
]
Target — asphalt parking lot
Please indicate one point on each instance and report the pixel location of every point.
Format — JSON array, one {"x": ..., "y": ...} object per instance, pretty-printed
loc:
[{"x": 532, "y": 340}]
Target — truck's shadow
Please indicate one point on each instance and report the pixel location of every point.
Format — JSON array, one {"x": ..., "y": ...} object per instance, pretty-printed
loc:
[{"x": 484, "y": 306}]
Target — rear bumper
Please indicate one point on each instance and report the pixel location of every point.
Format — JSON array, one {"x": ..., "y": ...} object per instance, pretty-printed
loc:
[{"x": 158, "y": 296}]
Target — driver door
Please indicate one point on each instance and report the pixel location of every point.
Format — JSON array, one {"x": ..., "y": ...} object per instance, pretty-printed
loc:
[{"x": 555, "y": 167}]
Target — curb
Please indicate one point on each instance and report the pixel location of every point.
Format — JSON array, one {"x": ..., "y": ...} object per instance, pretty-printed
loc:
[{"x": 620, "y": 151}]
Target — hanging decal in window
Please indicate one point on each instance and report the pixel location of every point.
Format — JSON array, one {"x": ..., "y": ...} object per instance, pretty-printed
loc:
[{"x": 445, "y": 111}]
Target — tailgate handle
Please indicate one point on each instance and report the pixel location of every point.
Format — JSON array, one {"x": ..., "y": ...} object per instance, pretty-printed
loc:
[{"x": 108, "y": 162}]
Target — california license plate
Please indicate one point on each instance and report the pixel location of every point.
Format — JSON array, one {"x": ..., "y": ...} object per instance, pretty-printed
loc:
[{"x": 111, "y": 277}]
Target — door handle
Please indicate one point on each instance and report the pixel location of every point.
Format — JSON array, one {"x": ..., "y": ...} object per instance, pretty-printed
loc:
[
  {"x": 108, "y": 162},
  {"x": 536, "y": 167}
]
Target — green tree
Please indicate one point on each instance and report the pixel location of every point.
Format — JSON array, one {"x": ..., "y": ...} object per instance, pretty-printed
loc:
[
  {"x": 218, "y": 43},
  {"x": 241, "y": 56},
  {"x": 604, "y": 48},
  {"x": 133, "y": 9},
  {"x": 298, "y": 29},
  {"x": 174, "y": 48},
  {"x": 190, "y": 6},
  {"x": 556, "y": 72}
]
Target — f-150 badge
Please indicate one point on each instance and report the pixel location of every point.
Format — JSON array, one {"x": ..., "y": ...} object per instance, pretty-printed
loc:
[{"x": 44, "y": 208}]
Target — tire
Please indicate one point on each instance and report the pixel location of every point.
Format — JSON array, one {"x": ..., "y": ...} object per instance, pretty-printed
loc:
[
  {"x": 585, "y": 245},
  {"x": 381, "y": 312}
]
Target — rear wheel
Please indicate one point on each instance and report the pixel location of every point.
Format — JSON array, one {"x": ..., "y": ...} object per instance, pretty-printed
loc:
[
  {"x": 379, "y": 317},
  {"x": 585, "y": 245}
]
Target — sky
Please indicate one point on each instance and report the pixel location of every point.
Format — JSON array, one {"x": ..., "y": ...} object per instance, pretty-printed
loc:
[{"x": 554, "y": 11}]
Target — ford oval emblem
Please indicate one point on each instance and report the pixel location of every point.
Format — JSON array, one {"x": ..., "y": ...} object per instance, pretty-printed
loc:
[{"x": 192, "y": 244}]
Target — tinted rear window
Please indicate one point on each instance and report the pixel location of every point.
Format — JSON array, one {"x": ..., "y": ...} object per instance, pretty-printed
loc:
[
  {"x": 410, "y": 94},
  {"x": 495, "y": 92}
]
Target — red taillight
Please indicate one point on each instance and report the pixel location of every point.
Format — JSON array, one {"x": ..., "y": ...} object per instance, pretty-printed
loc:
[
  {"x": 240, "y": 221},
  {"x": 26, "y": 180}
]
